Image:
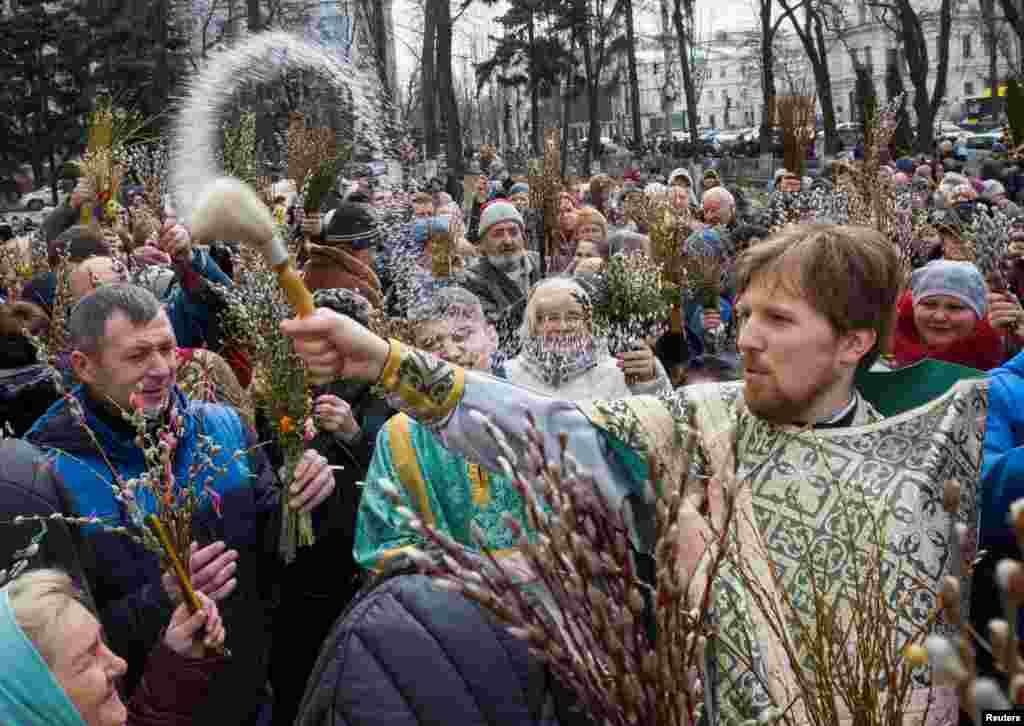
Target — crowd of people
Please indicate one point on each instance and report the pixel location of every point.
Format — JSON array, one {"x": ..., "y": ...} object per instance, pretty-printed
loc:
[{"x": 806, "y": 307}]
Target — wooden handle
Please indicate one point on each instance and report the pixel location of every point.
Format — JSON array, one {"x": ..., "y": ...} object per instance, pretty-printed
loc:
[{"x": 299, "y": 296}]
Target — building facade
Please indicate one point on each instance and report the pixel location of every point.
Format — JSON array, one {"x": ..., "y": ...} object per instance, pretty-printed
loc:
[{"x": 730, "y": 96}]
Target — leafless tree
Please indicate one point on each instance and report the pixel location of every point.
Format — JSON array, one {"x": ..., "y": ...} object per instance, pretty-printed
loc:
[{"x": 810, "y": 24}]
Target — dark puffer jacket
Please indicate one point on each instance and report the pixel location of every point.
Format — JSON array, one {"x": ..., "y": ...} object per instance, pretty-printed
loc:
[
  {"x": 28, "y": 487},
  {"x": 407, "y": 653}
]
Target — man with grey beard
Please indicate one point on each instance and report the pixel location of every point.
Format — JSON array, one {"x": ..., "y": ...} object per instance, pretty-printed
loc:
[{"x": 504, "y": 272}]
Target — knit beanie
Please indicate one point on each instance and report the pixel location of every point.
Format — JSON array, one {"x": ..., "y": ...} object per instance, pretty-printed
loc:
[
  {"x": 900, "y": 179},
  {"x": 424, "y": 229},
  {"x": 352, "y": 224},
  {"x": 500, "y": 210},
  {"x": 680, "y": 172},
  {"x": 905, "y": 165},
  {"x": 589, "y": 215},
  {"x": 723, "y": 195},
  {"x": 924, "y": 170},
  {"x": 624, "y": 240},
  {"x": 706, "y": 242},
  {"x": 345, "y": 302},
  {"x": 519, "y": 188},
  {"x": 992, "y": 189},
  {"x": 960, "y": 280}
]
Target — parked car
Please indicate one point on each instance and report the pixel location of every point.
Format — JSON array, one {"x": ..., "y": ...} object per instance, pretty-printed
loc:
[
  {"x": 984, "y": 139},
  {"x": 40, "y": 198},
  {"x": 728, "y": 139},
  {"x": 949, "y": 131}
]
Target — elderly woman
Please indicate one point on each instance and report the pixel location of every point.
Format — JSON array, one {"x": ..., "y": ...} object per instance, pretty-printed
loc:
[
  {"x": 58, "y": 671},
  {"x": 591, "y": 225},
  {"x": 562, "y": 358},
  {"x": 946, "y": 316},
  {"x": 719, "y": 206}
]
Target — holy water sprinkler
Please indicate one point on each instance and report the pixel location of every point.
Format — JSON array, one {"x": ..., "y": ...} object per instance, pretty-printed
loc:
[{"x": 229, "y": 209}]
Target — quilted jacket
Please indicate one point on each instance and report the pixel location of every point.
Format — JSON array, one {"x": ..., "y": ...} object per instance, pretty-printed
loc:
[{"x": 409, "y": 654}]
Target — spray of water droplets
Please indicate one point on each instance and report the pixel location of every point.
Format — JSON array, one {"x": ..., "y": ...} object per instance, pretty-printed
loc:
[{"x": 262, "y": 58}]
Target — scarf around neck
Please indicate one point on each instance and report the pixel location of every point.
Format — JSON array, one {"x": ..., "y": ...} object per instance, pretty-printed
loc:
[
  {"x": 29, "y": 693},
  {"x": 556, "y": 368}
]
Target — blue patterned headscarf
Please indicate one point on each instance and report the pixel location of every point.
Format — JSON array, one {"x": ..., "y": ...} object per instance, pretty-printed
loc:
[{"x": 29, "y": 693}]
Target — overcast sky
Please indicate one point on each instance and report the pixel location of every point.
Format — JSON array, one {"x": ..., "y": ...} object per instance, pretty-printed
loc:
[{"x": 713, "y": 15}]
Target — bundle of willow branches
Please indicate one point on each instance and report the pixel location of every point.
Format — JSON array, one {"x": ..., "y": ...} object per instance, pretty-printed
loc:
[
  {"x": 795, "y": 114},
  {"x": 587, "y": 611}
]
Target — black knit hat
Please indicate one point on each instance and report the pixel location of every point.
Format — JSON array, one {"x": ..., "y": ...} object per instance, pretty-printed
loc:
[
  {"x": 345, "y": 302},
  {"x": 350, "y": 221}
]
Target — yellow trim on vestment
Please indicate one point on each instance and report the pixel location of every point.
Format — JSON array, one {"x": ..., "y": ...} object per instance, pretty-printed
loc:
[
  {"x": 421, "y": 405},
  {"x": 403, "y": 456},
  {"x": 480, "y": 484}
]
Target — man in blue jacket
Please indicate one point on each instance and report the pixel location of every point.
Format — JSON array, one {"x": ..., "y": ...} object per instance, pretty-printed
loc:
[
  {"x": 124, "y": 352},
  {"x": 1002, "y": 482}
]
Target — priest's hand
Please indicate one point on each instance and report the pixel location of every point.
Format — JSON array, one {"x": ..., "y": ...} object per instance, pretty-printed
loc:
[{"x": 335, "y": 346}]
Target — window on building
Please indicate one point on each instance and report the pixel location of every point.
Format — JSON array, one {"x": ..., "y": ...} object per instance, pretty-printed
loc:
[
  {"x": 967, "y": 45},
  {"x": 869, "y": 60},
  {"x": 655, "y": 69},
  {"x": 711, "y": 120},
  {"x": 968, "y": 88}
]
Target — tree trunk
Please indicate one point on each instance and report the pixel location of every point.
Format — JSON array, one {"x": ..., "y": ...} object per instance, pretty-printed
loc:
[
  {"x": 767, "y": 74},
  {"x": 634, "y": 83},
  {"x": 255, "y": 25},
  {"x": 1015, "y": 19},
  {"x": 684, "y": 38},
  {"x": 534, "y": 96},
  {"x": 990, "y": 33},
  {"x": 926, "y": 104},
  {"x": 812, "y": 37},
  {"x": 428, "y": 89},
  {"x": 161, "y": 72},
  {"x": 570, "y": 93},
  {"x": 594, "y": 133},
  {"x": 446, "y": 88}
]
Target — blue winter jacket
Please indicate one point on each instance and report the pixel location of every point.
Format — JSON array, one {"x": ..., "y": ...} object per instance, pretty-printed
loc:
[
  {"x": 694, "y": 317},
  {"x": 133, "y": 605},
  {"x": 1002, "y": 468},
  {"x": 191, "y": 307}
]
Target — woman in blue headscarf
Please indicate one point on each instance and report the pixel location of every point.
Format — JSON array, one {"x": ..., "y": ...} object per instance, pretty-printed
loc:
[{"x": 56, "y": 669}]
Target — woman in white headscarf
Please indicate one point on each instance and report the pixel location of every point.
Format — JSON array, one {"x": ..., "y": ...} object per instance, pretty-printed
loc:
[{"x": 562, "y": 357}]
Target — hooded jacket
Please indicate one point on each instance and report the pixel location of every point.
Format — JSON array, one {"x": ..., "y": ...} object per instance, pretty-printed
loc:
[
  {"x": 26, "y": 392},
  {"x": 131, "y": 601},
  {"x": 410, "y": 654}
]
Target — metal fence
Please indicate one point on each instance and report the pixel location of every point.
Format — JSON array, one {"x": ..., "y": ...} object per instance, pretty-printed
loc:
[{"x": 754, "y": 172}]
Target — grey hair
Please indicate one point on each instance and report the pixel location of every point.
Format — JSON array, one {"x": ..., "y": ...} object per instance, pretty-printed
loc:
[
  {"x": 39, "y": 600},
  {"x": 559, "y": 282},
  {"x": 438, "y": 307},
  {"x": 87, "y": 324}
]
